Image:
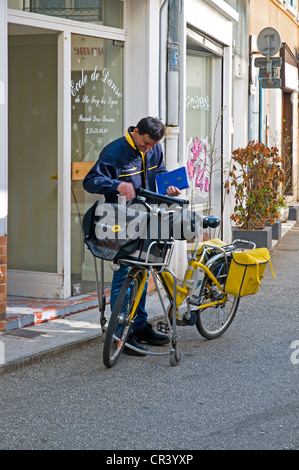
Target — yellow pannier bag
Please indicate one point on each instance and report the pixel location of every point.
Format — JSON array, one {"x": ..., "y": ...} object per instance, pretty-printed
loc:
[{"x": 246, "y": 271}]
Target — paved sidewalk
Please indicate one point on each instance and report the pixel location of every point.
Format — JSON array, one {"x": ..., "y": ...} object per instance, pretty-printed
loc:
[{"x": 21, "y": 345}]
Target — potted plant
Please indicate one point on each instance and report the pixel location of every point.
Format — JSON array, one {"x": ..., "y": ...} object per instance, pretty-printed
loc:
[{"x": 254, "y": 178}]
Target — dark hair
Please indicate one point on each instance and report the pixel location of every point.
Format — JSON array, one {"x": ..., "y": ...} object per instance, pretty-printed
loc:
[{"x": 151, "y": 126}]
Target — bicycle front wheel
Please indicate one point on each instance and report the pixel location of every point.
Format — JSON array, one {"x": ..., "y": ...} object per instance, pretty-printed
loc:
[
  {"x": 120, "y": 320},
  {"x": 213, "y": 321}
]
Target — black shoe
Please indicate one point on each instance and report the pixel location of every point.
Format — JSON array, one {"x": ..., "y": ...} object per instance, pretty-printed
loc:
[
  {"x": 148, "y": 335},
  {"x": 133, "y": 342}
]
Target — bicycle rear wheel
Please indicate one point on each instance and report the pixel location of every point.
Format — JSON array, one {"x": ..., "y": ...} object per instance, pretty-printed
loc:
[
  {"x": 120, "y": 320},
  {"x": 213, "y": 321}
]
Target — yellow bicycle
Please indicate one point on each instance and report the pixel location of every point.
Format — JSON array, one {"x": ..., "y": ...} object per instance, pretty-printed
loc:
[{"x": 201, "y": 300}]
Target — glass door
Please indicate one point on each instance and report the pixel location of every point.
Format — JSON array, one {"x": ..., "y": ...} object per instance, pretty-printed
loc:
[
  {"x": 97, "y": 111},
  {"x": 32, "y": 160},
  {"x": 65, "y": 105}
]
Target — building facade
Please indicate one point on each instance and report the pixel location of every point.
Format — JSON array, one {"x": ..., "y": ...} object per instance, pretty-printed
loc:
[
  {"x": 273, "y": 116},
  {"x": 74, "y": 75}
]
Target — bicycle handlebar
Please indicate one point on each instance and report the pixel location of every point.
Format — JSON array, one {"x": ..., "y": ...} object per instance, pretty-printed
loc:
[{"x": 155, "y": 198}]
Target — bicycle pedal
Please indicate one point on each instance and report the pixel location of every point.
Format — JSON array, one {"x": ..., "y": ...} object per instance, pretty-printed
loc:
[{"x": 162, "y": 327}]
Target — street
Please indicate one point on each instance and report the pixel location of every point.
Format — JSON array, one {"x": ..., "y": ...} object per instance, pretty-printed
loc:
[{"x": 237, "y": 392}]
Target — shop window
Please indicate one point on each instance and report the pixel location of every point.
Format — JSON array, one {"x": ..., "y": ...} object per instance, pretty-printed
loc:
[
  {"x": 291, "y": 6},
  {"x": 203, "y": 130},
  {"x": 203, "y": 121},
  {"x": 104, "y": 12},
  {"x": 198, "y": 125}
]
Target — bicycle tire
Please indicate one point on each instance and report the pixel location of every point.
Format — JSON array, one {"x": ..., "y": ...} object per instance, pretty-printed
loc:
[
  {"x": 213, "y": 321},
  {"x": 120, "y": 323}
]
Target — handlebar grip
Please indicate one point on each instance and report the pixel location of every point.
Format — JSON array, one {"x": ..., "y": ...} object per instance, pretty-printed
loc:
[
  {"x": 155, "y": 198},
  {"x": 211, "y": 221}
]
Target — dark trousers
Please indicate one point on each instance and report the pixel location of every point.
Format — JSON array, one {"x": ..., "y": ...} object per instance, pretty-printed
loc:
[{"x": 117, "y": 281}]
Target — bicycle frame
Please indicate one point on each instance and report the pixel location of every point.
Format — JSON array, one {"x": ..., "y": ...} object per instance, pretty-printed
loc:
[
  {"x": 139, "y": 293},
  {"x": 193, "y": 264},
  {"x": 176, "y": 293},
  {"x": 199, "y": 290},
  {"x": 182, "y": 292}
]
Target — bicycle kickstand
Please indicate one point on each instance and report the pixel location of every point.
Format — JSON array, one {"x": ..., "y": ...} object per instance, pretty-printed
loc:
[
  {"x": 101, "y": 298},
  {"x": 175, "y": 356}
]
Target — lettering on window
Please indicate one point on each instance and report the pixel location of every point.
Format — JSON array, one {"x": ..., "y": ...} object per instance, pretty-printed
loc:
[
  {"x": 198, "y": 166},
  {"x": 96, "y": 105},
  {"x": 198, "y": 102}
]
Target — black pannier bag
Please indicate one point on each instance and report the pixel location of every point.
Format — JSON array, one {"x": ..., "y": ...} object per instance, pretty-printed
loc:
[
  {"x": 113, "y": 231},
  {"x": 107, "y": 232},
  {"x": 185, "y": 224},
  {"x": 180, "y": 225}
]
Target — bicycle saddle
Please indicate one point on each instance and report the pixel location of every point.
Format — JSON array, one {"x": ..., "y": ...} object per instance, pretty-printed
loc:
[{"x": 211, "y": 221}]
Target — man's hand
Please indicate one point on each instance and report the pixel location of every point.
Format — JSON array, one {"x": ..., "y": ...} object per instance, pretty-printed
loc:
[
  {"x": 173, "y": 191},
  {"x": 127, "y": 190}
]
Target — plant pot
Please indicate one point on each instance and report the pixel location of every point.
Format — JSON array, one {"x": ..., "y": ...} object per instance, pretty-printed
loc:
[
  {"x": 294, "y": 213},
  {"x": 276, "y": 229},
  {"x": 284, "y": 214},
  {"x": 261, "y": 237}
]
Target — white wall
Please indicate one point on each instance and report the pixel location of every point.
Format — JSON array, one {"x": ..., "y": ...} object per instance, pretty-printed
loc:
[
  {"x": 141, "y": 61},
  {"x": 212, "y": 17},
  {"x": 141, "y": 64},
  {"x": 3, "y": 119},
  {"x": 215, "y": 18},
  {"x": 240, "y": 103}
]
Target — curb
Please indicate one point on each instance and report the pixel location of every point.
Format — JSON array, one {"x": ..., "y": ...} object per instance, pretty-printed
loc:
[
  {"x": 39, "y": 357},
  {"x": 19, "y": 364},
  {"x": 23, "y": 312}
]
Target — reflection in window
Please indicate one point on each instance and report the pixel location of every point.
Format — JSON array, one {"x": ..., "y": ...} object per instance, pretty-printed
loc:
[{"x": 106, "y": 12}]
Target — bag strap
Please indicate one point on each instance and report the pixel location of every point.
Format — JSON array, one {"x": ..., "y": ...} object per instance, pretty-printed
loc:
[
  {"x": 270, "y": 262},
  {"x": 257, "y": 267},
  {"x": 256, "y": 262}
]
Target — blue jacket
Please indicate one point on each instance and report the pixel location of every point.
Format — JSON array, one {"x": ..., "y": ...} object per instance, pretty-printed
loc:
[{"x": 120, "y": 161}]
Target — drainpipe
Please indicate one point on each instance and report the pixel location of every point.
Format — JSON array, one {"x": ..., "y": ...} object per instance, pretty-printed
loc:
[
  {"x": 175, "y": 10},
  {"x": 165, "y": 3},
  {"x": 250, "y": 100}
]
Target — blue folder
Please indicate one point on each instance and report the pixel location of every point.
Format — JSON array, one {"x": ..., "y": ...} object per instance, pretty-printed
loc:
[{"x": 177, "y": 178}]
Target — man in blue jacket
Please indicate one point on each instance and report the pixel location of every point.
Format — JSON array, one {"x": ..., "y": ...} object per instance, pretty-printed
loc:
[{"x": 124, "y": 165}]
